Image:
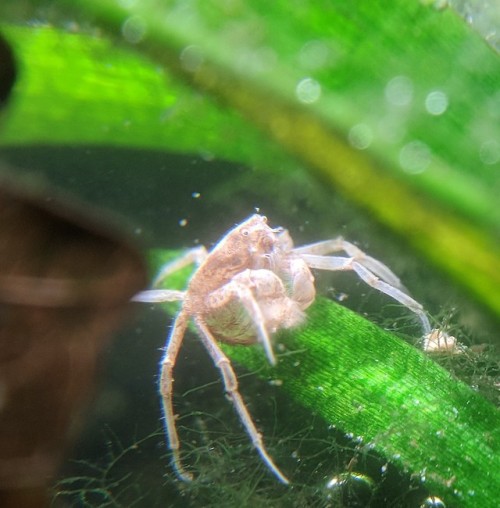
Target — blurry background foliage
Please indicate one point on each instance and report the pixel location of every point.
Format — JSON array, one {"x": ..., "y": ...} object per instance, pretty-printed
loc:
[{"x": 381, "y": 123}]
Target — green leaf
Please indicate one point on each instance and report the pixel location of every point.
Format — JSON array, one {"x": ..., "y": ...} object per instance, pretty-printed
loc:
[{"x": 403, "y": 122}]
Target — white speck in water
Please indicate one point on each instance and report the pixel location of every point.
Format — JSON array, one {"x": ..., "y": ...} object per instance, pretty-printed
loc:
[
  {"x": 360, "y": 136},
  {"x": 320, "y": 389},
  {"x": 183, "y": 223},
  {"x": 489, "y": 153},
  {"x": 415, "y": 157},
  {"x": 308, "y": 91},
  {"x": 436, "y": 103},
  {"x": 276, "y": 382},
  {"x": 195, "y": 195},
  {"x": 134, "y": 29},
  {"x": 138, "y": 231},
  {"x": 399, "y": 91}
]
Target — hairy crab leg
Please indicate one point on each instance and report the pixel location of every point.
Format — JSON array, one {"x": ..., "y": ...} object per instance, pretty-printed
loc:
[
  {"x": 339, "y": 244},
  {"x": 231, "y": 387},
  {"x": 196, "y": 256},
  {"x": 335, "y": 263},
  {"x": 159, "y": 296},
  {"x": 166, "y": 388}
]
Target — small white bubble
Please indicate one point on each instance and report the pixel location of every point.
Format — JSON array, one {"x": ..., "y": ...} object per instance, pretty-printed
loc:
[
  {"x": 134, "y": 29},
  {"x": 436, "y": 103},
  {"x": 399, "y": 91},
  {"x": 195, "y": 195},
  {"x": 308, "y": 90},
  {"x": 351, "y": 481},
  {"x": 432, "y": 502},
  {"x": 360, "y": 136},
  {"x": 183, "y": 223},
  {"x": 489, "y": 153},
  {"x": 415, "y": 157}
]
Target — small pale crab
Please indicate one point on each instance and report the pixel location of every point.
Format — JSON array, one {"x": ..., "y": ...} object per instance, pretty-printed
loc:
[{"x": 251, "y": 284}]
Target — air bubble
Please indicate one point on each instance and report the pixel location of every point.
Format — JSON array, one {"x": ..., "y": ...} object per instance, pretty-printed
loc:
[
  {"x": 399, "y": 91},
  {"x": 192, "y": 58},
  {"x": 415, "y": 157},
  {"x": 314, "y": 55},
  {"x": 432, "y": 502},
  {"x": 308, "y": 91},
  {"x": 436, "y": 103},
  {"x": 360, "y": 136},
  {"x": 351, "y": 487},
  {"x": 134, "y": 29},
  {"x": 489, "y": 153}
]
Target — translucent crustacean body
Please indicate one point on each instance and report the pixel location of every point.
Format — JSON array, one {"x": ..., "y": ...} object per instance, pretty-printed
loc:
[{"x": 253, "y": 283}]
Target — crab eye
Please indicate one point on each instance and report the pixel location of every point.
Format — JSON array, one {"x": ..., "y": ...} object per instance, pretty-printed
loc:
[{"x": 245, "y": 232}]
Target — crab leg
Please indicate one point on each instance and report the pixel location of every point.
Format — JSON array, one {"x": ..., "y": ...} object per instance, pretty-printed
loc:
[{"x": 231, "y": 387}]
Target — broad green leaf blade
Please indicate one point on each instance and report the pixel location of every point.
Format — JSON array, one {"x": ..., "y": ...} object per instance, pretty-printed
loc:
[
  {"x": 384, "y": 115},
  {"x": 388, "y": 394},
  {"x": 79, "y": 89}
]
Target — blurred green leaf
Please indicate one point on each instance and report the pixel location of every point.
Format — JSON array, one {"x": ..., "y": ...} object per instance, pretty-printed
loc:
[{"x": 404, "y": 122}]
